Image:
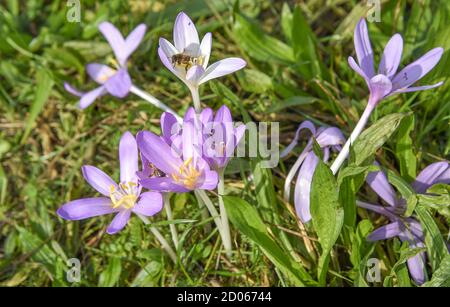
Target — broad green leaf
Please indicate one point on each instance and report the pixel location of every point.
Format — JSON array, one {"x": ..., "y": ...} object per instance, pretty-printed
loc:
[
  {"x": 404, "y": 148},
  {"x": 441, "y": 277},
  {"x": 259, "y": 45},
  {"x": 247, "y": 220},
  {"x": 374, "y": 137},
  {"x": 327, "y": 214},
  {"x": 44, "y": 85},
  {"x": 110, "y": 276},
  {"x": 149, "y": 275}
]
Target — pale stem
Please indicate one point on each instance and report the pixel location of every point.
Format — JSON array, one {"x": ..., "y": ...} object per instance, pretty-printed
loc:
[
  {"x": 195, "y": 98},
  {"x": 356, "y": 132},
  {"x": 173, "y": 228},
  {"x": 226, "y": 237},
  {"x": 165, "y": 245},
  {"x": 152, "y": 100},
  {"x": 212, "y": 210}
]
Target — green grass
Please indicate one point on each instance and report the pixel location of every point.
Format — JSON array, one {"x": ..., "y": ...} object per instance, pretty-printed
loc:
[{"x": 292, "y": 75}]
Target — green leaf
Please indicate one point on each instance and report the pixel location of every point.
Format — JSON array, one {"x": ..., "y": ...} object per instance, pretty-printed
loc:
[
  {"x": 404, "y": 148},
  {"x": 374, "y": 137},
  {"x": 247, "y": 220},
  {"x": 327, "y": 213},
  {"x": 111, "y": 275},
  {"x": 436, "y": 246},
  {"x": 293, "y": 101},
  {"x": 254, "y": 81},
  {"x": 44, "y": 85},
  {"x": 259, "y": 45},
  {"x": 361, "y": 249},
  {"x": 287, "y": 20},
  {"x": 441, "y": 277}
]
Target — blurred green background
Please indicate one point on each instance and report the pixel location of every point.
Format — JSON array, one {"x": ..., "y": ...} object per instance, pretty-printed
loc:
[{"x": 297, "y": 69}]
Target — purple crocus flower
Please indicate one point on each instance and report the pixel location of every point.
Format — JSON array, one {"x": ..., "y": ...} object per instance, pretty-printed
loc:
[
  {"x": 386, "y": 81},
  {"x": 330, "y": 138},
  {"x": 181, "y": 161},
  {"x": 405, "y": 228},
  {"x": 188, "y": 58},
  {"x": 122, "y": 198},
  {"x": 116, "y": 82}
]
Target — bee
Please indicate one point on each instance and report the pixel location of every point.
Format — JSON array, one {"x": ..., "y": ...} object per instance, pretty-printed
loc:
[{"x": 185, "y": 60}]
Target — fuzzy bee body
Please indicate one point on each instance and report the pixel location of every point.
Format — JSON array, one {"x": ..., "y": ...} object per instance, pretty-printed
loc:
[{"x": 185, "y": 60}]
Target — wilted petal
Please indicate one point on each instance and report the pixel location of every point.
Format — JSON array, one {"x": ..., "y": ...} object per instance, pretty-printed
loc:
[
  {"x": 119, "y": 222},
  {"x": 331, "y": 136},
  {"x": 114, "y": 38},
  {"x": 98, "y": 179},
  {"x": 88, "y": 98},
  {"x": 379, "y": 183},
  {"x": 149, "y": 204},
  {"x": 184, "y": 33},
  {"x": 304, "y": 125},
  {"x": 416, "y": 70},
  {"x": 429, "y": 176},
  {"x": 303, "y": 187},
  {"x": 363, "y": 48},
  {"x": 128, "y": 156},
  {"x": 222, "y": 68},
  {"x": 86, "y": 207},
  {"x": 119, "y": 85},
  {"x": 132, "y": 42},
  {"x": 158, "y": 152},
  {"x": 386, "y": 232},
  {"x": 391, "y": 56},
  {"x": 378, "y": 209},
  {"x": 100, "y": 73},
  {"x": 72, "y": 90},
  {"x": 163, "y": 184},
  {"x": 205, "y": 48}
]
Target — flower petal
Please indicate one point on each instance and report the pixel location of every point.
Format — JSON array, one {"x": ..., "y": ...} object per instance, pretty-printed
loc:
[
  {"x": 205, "y": 48},
  {"x": 132, "y": 42},
  {"x": 430, "y": 175},
  {"x": 158, "y": 152},
  {"x": 114, "y": 38},
  {"x": 331, "y": 136},
  {"x": 163, "y": 184},
  {"x": 194, "y": 74},
  {"x": 386, "y": 232},
  {"x": 210, "y": 180},
  {"x": 380, "y": 86},
  {"x": 86, "y": 207},
  {"x": 358, "y": 70},
  {"x": 416, "y": 70},
  {"x": 379, "y": 183},
  {"x": 392, "y": 55},
  {"x": 304, "y": 125},
  {"x": 303, "y": 187},
  {"x": 119, "y": 222},
  {"x": 149, "y": 204},
  {"x": 72, "y": 90},
  {"x": 418, "y": 88},
  {"x": 363, "y": 48},
  {"x": 128, "y": 156},
  {"x": 100, "y": 73},
  {"x": 169, "y": 126},
  {"x": 88, "y": 98},
  {"x": 222, "y": 68},
  {"x": 98, "y": 179},
  {"x": 185, "y": 34},
  {"x": 223, "y": 115},
  {"x": 119, "y": 85},
  {"x": 167, "y": 63}
]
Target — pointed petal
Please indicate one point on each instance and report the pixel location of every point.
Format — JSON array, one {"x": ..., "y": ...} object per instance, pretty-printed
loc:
[
  {"x": 98, "y": 179},
  {"x": 128, "y": 156},
  {"x": 206, "y": 116},
  {"x": 167, "y": 47},
  {"x": 119, "y": 222},
  {"x": 363, "y": 48},
  {"x": 185, "y": 34},
  {"x": 386, "y": 232},
  {"x": 378, "y": 209},
  {"x": 223, "y": 115},
  {"x": 100, "y": 73},
  {"x": 416, "y": 70},
  {"x": 119, "y": 85},
  {"x": 163, "y": 184},
  {"x": 72, "y": 90},
  {"x": 205, "y": 49},
  {"x": 392, "y": 55},
  {"x": 358, "y": 70},
  {"x": 132, "y": 41},
  {"x": 417, "y": 88},
  {"x": 149, "y": 204},
  {"x": 430, "y": 175},
  {"x": 88, "y": 98},
  {"x": 158, "y": 152},
  {"x": 114, "y": 38},
  {"x": 86, "y": 207},
  {"x": 189, "y": 115},
  {"x": 168, "y": 64},
  {"x": 169, "y": 126},
  {"x": 222, "y": 68},
  {"x": 379, "y": 183},
  {"x": 303, "y": 187}
]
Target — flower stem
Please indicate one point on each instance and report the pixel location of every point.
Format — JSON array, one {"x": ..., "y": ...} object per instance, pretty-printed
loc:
[
  {"x": 173, "y": 228},
  {"x": 226, "y": 237},
  {"x": 165, "y": 245},
  {"x": 195, "y": 98},
  {"x": 355, "y": 133},
  {"x": 146, "y": 96},
  {"x": 212, "y": 210}
]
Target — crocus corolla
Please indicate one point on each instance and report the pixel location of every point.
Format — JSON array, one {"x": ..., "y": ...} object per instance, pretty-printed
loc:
[
  {"x": 121, "y": 199},
  {"x": 329, "y": 139},
  {"x": 115, "y": 81}
]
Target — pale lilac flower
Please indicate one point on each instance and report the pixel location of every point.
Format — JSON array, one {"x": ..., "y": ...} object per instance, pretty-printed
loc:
[
  {"x": 405, "y": 228},
  {"x": 116, "y": 82},
  {"x": 386, "y": 81},
  {"x": 121, "y": 199},
  {"x": 181, "y": 161},
  {"x": 329, "y": 139},
  {"x": 188, "y": 58}
]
